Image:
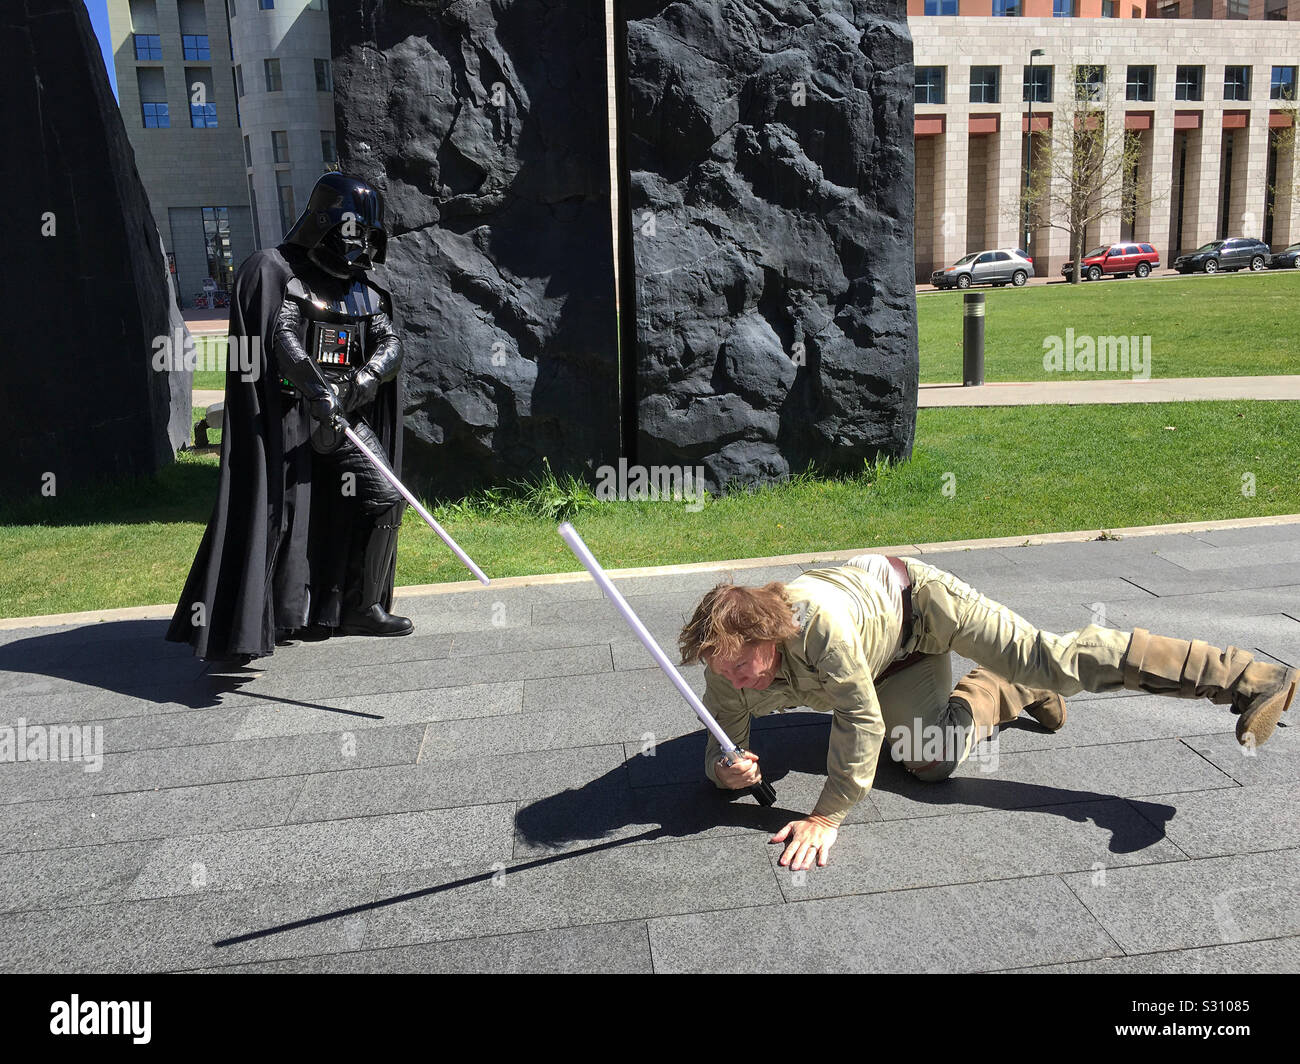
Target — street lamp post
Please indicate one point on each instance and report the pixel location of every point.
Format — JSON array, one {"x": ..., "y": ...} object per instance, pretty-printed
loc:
[{"x": 1029, "y": 151}]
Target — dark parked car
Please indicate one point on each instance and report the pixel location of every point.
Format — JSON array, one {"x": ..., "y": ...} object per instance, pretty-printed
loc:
[
  {"x": 1285, "y": 260},
  {"x": 1236, "y": 253},
  {"x": 1116, "y": 260},
  {"x": 997, "y": 267}
]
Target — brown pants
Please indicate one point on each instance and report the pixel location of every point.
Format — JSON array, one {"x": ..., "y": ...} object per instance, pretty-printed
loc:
[{"x": 931, "y": 736}]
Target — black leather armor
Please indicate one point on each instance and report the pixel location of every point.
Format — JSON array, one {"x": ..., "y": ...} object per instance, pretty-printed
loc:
[{"x": 346, "y": 343}]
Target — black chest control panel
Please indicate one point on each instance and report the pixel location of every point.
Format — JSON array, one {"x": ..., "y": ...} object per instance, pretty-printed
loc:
[{"x": 339, "y": 346}]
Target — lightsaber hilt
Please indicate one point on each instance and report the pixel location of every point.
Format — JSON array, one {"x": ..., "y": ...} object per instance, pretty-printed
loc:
[
  {"x": 764, "y": 793},
  {"x": 415, "y": 503}
]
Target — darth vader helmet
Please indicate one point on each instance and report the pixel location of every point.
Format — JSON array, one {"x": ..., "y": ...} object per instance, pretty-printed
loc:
[{"x": 342, "y": 229}]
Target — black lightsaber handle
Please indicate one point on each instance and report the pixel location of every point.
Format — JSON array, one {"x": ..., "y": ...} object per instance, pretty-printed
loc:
[{"x": 764, "y": 793}]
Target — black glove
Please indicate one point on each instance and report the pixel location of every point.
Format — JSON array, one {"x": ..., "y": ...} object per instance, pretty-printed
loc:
[
  {"x": 365, "y": 386},
  {"x": 325, "y": 409}
]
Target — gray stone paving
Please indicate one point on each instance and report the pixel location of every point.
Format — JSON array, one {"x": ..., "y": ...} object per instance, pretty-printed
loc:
[{"x": 516, "y": 788}]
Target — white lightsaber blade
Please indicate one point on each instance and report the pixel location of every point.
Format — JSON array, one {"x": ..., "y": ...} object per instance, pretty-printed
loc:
[
  {"x": 428, "y": 518},
  {"x": 763, "y": 792}
]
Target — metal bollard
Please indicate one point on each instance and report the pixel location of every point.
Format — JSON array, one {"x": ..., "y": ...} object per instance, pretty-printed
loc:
[{"x": 972, "y": 339}]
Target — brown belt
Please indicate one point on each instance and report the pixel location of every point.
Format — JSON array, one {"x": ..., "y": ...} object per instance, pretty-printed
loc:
[{"x": 906, "y": 632}]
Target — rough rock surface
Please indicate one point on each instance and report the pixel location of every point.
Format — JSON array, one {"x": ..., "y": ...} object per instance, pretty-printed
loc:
[
  {"x": 79, "y": 397},
  {"x": 486, "y": 126},
  {"x": 770, "y": 150}
]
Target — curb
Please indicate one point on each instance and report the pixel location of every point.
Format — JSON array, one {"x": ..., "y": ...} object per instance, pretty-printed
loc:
[{"x": 164, "y": 611}]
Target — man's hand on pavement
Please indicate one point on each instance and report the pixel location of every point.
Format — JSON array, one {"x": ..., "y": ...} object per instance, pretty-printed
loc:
[{"x": 806, "y": 840}]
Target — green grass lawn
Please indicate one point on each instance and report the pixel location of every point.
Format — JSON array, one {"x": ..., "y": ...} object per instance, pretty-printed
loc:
[
  {"x": 1014, "y": 471},
  {"x": 1226, "y": 326}
]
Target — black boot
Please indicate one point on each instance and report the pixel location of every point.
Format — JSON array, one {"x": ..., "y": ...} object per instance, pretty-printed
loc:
[{"x": 363, "y": 611}]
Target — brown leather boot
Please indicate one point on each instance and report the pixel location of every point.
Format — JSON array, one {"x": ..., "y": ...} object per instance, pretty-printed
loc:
[
  {"x": 994, "y": 701},
  {"x": 1260, "y": 691}
]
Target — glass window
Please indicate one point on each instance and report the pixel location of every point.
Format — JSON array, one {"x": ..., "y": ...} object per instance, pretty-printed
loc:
[
  {"x": 1063, "y": 8},
  {"x": 1141, "y": 84},
  {"x": 239, "y": 79},
  {"x": 1169, "y": 11},
  {"x": 284, "y": 190},
  {"x": 248, "y": 151},
  {"x": 1189, "y": 83},
  {"x": 1038, "y": 84},
  {"x": 195, "y": 46},
  {"x": 1109, "y": 9},
  {"x": 216, "y": 239},
  {"x": 280, "y": 145},
  {"x": 329, "y": 150},
  {"x": 1236, "y": 83},
  {"x": 1010, "y": 8},
  {"x": 1238, "y": 8},
  {"x": 147, "y": 46},
  {"x": 203, "y": 115},
  {"x": 324, "y": 76},
  {"x": 316, "y": 5},
  {"x": 1283, "y": 84},
  {"x": 272, "y": 68},
  {"x": 1275, "y": 10},
  {"x": 266, "y": 5},
  {"x": 252, "y": 203},
  {"x": 930, "y": 84},
  {"x": 984, "y": 84},
  {"x": 941, "y": 7},
  {"x": 155, "y": 116},
  {"x": 1089, "y": 82}
]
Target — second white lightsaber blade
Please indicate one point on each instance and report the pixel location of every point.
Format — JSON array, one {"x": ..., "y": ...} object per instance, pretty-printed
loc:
[
  {"x": 428, "y": 518},
  {"x": 579, "y": 548}
]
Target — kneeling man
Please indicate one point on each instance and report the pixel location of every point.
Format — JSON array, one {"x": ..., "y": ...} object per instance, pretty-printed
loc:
[{"x": 869, "y": 641}]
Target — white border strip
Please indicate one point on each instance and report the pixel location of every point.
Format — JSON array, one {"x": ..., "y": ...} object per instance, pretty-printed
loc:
[{"x": 142, "y": 613}]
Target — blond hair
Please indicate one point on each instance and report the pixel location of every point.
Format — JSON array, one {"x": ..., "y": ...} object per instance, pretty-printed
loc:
[{"x": 731, "y": 616}]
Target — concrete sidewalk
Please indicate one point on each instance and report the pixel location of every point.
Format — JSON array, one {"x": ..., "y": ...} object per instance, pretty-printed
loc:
[
  {"x": 515, "y": 788},
  {"x": 1067, "y": 392}
]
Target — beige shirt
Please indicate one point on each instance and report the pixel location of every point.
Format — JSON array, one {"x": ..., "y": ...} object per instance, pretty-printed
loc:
[{"x": 850, "y": 619}]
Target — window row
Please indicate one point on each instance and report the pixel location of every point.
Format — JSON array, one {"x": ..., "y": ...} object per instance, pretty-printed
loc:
[
  {"x": 234, "y": 6},
  {"x": 329, "y": 151},
  {"x": 154, "y": 112},
  {"x": 148, "y": 46},
  {"x": 1014, "y": 8},
  {"x": 1090, "y": 83},
  {"x": 274, "y": 80}
]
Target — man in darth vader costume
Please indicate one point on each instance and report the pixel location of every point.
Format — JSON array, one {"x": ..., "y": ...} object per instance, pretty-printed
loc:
[{"x": 304, "y": 530}]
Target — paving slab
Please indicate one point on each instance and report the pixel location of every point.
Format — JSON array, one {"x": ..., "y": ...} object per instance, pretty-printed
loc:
[
  {"x": 299, "y": 854},
  {"x": 984, "y": 927},
  {"x": 595, "y": 949},
  {"x": 1263, "y": 957},
  {"x": 189, "y": 766},
  {"x": 936, "y": 851},
  {"x": 1051, "y": 777},
  {"x": 153, "y": 814},
  {"x": 1195, "y": 903}
]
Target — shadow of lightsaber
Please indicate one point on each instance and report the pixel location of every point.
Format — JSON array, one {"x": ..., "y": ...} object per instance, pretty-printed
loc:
[{"x": 482, "y": 877}]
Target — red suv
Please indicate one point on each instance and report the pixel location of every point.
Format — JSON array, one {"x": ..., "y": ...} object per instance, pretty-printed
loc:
[{"x": 1118, "y": 260}]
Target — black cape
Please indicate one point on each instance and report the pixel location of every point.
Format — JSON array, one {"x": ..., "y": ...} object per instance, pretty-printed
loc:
[{"x": 274, "y": 555}]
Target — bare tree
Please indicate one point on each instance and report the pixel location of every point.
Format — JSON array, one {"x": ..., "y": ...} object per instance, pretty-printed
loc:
[
  {"x": 1286, "y": 189},
  {"x": 1084, "y": 167}
]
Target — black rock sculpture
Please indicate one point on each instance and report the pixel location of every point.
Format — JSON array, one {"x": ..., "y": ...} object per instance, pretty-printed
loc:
[
  {"x": 770, "y": 151},
  {"x": 486, "y": 126},
  {"x": 82, "y": 269},
  {"x": 768, "y": 267}
]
